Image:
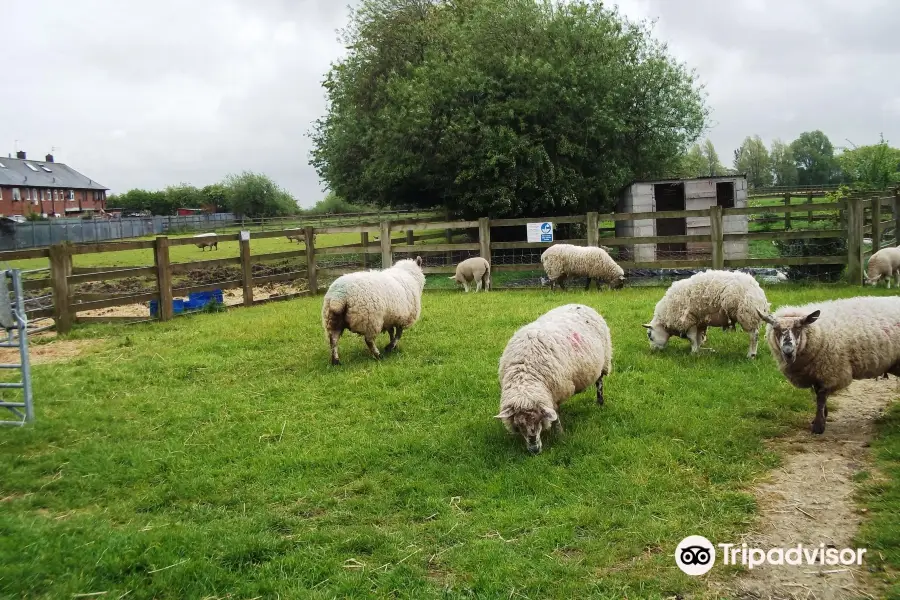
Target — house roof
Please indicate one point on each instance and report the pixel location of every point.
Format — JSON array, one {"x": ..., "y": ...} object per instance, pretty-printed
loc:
[{"x": 17, "y": 172}]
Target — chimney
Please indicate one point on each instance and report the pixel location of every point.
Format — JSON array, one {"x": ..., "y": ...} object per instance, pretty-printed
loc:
[
  {"x": 20, "y": 154},
  {"x": 48, "y": 158}
]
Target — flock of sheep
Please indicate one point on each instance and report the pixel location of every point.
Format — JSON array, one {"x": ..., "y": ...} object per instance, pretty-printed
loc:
[{"x": 823, "y": 346}]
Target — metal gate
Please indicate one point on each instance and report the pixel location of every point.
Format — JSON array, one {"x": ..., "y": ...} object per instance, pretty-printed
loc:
[{"x": 15, "y": 396}]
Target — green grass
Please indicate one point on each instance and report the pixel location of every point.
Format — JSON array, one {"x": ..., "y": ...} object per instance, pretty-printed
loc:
[
  {"x": 880, "y": 534},
  {"x": 220, "y": 455}
]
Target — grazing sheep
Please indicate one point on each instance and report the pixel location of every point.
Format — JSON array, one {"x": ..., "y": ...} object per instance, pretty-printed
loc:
[
  {"x": 561, "y": 353},
  {"x": 708, "y": 299},
  {"x": 826, "y": 345},
  {"x": 296, "y": 237},
  {"x": 369, "y": 302},
  {"x": 884, "y": 264},
  {"x": 207, "y": 240},
  {"x": 563, "y": 260},
  {"x": 473, "y": 269}
]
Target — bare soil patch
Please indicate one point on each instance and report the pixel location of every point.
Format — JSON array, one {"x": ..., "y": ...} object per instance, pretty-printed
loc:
[
  {"x": 55, "y": 351},
  {"x": 809, "y": 500}
]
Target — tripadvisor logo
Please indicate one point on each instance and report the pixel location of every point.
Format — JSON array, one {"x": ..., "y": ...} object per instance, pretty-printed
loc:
[{"x": 696, "y": 555}]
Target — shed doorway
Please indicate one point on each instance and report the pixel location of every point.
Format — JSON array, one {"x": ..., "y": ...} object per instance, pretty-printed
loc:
[{"x": 670, "y": 196}]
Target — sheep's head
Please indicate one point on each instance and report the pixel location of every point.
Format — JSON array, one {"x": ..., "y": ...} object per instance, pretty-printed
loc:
[
  {"x": 657, "y": 334},
  {"x": 790, "y": 332},
  {"x": 872, "y": 281},
  {"x": 529, "y": 423},
  {"x": 618, "y": 282}
]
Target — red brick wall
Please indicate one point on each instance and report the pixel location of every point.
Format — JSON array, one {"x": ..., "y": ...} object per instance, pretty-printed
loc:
[{"x": 56, "y": 202}]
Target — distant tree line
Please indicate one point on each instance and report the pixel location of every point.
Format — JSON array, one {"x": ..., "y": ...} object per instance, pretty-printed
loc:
[
  {"x": 809, "y": 160},
  {"x": 248, "y": 194}
]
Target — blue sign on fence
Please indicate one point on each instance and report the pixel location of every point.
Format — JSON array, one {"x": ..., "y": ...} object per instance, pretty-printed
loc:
[{"x": 540, "y": 232}]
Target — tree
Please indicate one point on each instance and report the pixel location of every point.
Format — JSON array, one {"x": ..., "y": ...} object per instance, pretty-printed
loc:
[
  {"x": 333, "y": 204},
  {"x": 875, "y": 166},
  {"x": 138, "y": 200},
  {"x": 183, "y": 196},
  {"x": 784, "y": 169},
  {"x": 216, "y": 194},
  {"x": 713, "y": 166},
  {"x": 256, "y": 195},
  {"x": 693, "y": 163},
  {"x": 814, "y": 156},
  {"x": 752, "y": 159},
  {"x": 501, "y": 107}
]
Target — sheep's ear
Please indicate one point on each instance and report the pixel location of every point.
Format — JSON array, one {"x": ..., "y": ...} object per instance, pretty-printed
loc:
[
  {"x": 810, "y": 318},
  {"x": 647, "y": 326},
  {"x": 419, "y": 261},
  {"x": 550, "y": 414},
  {"x": 765, "y": 317},
  {"x": 506, "y": 413}
]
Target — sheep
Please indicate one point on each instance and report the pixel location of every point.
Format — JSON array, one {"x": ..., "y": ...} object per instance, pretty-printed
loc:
[
  {"x": 708, "y": 299},
  {"x": 299, "y": 237},
  {"x": 884, "y": 264},
  {"x": 563, "y": 260},
  {"x": 474, "y": 269},
  {"x": 207, "y": 240},
  {"x": 545, "y": 362},
  {"x": 826, "y": 345},
  {"x": 369, "y": 302}
]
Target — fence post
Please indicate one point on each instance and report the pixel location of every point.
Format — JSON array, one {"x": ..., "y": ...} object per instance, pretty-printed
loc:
[
  {"x": 876, "y": 224},
  {"x": 163, "y": 277},
  {"x": 787, "y": 215},
  {"x": 855, "y": 218},
  {"x": 716, "y": 234},
  {"x": 386, "y": 257},
  {"x": 410, "y": 237},
  {"x": 246, "y": 272},
  {"x": 809, "y": 215},
  {"x": 593, "y": 229},
  {"x": 311, "y": 269},
  {"x": 364, "y": 240},
  {"x": 59, "y": 283},
  {"x": 484, "y": 237},
  {"x": 897, "y": 217}
]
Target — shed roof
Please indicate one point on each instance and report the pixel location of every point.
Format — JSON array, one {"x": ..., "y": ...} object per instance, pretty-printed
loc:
[
  {"x": 38, "y": 173},
  {"x": 681, "y": 179}
]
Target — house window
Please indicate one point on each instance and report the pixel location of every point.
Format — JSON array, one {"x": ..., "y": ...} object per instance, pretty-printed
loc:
[
  {"x": 71, "y": 195},
  {"x": 34, "y": 196},
  {"x": 17, "y": 195},
  {"x": 31, "y": 166}
]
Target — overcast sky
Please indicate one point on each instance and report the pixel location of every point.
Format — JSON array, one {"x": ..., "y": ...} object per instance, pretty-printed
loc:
[{"x": 156, "y": 93}]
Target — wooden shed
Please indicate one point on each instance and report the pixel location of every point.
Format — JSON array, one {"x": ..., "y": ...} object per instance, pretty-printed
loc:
[{"x": 728, "y": 191}]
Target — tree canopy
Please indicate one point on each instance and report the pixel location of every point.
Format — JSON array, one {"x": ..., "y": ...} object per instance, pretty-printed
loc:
[
  {"x": 752, "y": 159},
  {"x": 501, "y": 107},
  {"x": 877, "y": 165},
  {"x": 814, "y": 156}
]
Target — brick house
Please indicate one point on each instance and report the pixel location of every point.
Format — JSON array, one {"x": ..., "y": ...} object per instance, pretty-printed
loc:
[{"x": 46, "y": 187}]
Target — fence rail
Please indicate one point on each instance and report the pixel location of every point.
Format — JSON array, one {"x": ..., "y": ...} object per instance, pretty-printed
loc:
[{"x": 859, "y": 216}]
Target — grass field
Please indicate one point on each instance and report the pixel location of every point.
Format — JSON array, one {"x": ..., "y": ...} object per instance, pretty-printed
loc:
[{"x": 222, "y": 456}]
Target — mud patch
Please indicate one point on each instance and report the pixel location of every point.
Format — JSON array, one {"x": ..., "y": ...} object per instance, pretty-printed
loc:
[
  {"x": 809, "y": 500},
  {"x": 56, "y": 351}
]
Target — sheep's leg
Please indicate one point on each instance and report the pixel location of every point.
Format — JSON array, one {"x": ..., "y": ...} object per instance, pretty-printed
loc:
[
  {"x": 701, "y": 334},
  {"x": 466, "y": 286},
  {"x": 370, "y": 342},
  {"x": 486, "y": 282},
  {"x": 562, "y": 282},
  {"x": 600, "y": 390},
  {"x": 478, "y": 286},
  {"x": 333, "y": 336},
  {"x": 754, "y": 342},
  {"x": 552, "y": 284},
  {"x": 694, "y": 335},
  {"x": 818, "y": 424},
  {"x": 588, "y": 286},
  {"x": 395, "y": 333}
]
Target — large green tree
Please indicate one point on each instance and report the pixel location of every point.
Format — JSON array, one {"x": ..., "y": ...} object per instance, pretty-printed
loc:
[
  {"x": 711, "y": 157},
  {"x": 752, "y": 159},
  {"x": 814, "y": 156},
  {"x": 501, "y": 107},
  {"x": 784, "y": 169},
  {"x": 875, "y": 166}
]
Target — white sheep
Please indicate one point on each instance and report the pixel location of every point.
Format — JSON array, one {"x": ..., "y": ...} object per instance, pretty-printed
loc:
[
  {"x": 475, "y": 269},
  {"x": 566, "y": 260},
  {"x": 826, "y": 345},
  {"x": 884, "y": 264},
  {"x": 206, "y": 240},
  {"x": 563, "y": 352},
  {"x": 369, "y": 302},
  {"x": 708, "y": 299}
]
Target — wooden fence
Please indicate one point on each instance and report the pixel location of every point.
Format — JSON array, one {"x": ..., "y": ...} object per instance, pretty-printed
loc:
[{"x": 859, "y": 216}]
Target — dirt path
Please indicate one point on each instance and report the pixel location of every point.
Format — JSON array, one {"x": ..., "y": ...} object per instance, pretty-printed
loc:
[{"x": 810, "y": 501}]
